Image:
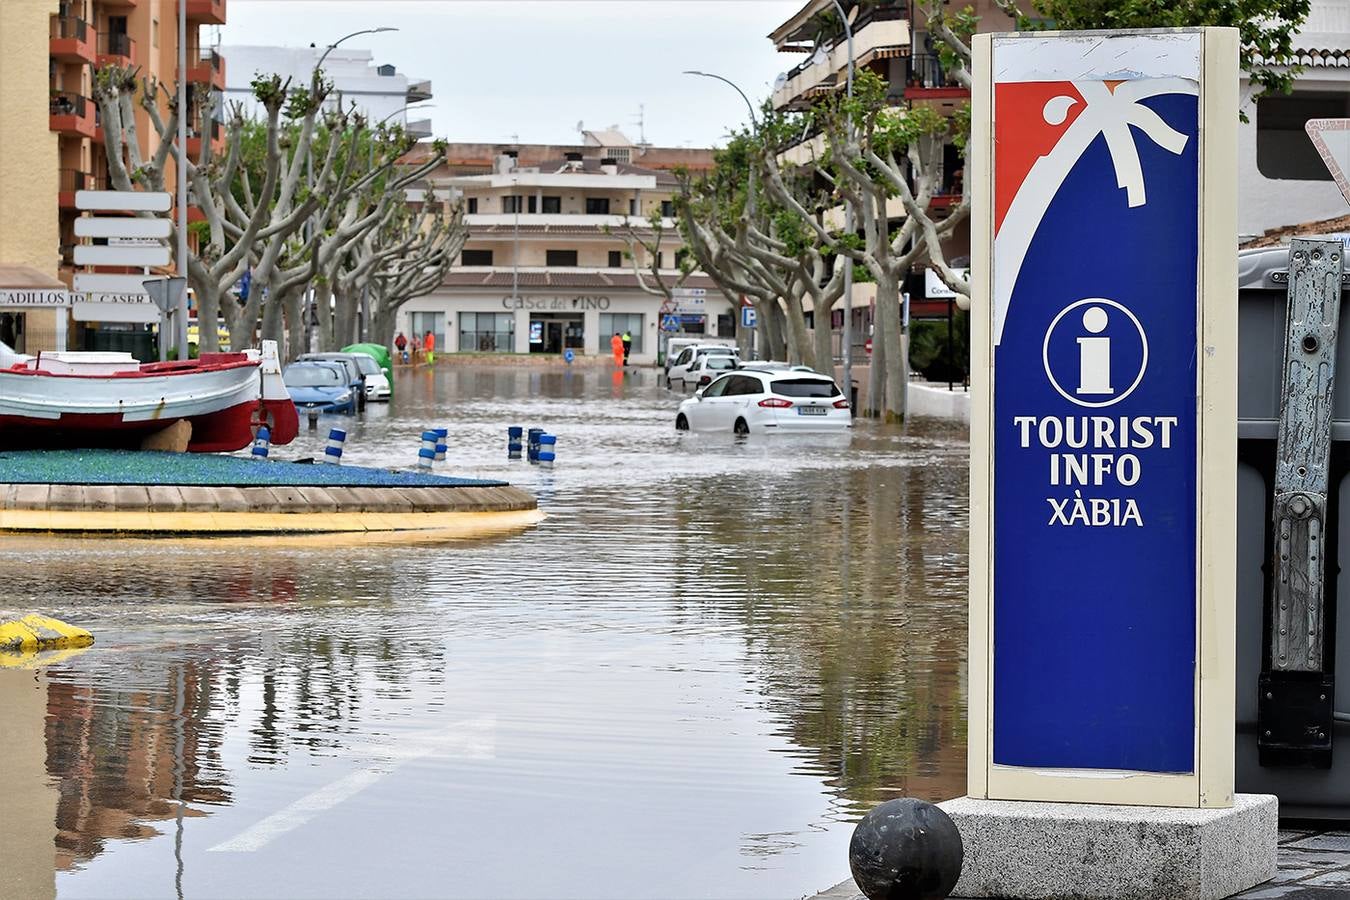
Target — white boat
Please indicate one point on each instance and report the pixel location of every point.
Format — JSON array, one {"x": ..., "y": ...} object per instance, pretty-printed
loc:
[{"x": 93, "y": 399}]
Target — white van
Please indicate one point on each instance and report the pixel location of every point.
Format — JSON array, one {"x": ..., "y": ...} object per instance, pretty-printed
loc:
[{"x": 676, "y": 346}]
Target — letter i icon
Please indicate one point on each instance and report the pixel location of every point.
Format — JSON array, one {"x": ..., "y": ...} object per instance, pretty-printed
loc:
[{"x": 1094, "y": 355}]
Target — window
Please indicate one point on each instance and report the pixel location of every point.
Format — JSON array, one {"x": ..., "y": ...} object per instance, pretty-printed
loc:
[
  {"x": 597, "y": 206},
  {"x": 534, "y": 203},
  {"x": 476, "y": 258},
  {"x": 660, "y": 260},
  {"x": 805, "y": 387},
  {"x": 623, "y": 322},
  {"x": 154, "y": 33},
  {"x": 560, "y": 257},
  {"x": 668, "y": 209},
  {"x": 632, "y": 206},
  {"x": 552, "y": 205},
  {"x": 1282, "y": 147},
  {"x": 719, "y": 388},
  {"x": 487, "y": 332},
  {"x": 680, "y": 256},
  {"x": 511, "y": 203},
  {"x": 422, "y": 322},
  {"x": 720, "y": 363},
  {"x": 616, "y": 259},
  {"x": 473, "y": 205}
]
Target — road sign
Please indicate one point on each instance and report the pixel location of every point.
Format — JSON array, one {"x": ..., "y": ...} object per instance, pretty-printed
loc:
[
  {"x": 121, "y": 255},
  {"x": 135, "y": 201},
  {"x": 670, "y": 323},
  {"x": 934, "y": 288},
  {"x": 122, "y": 227},
  {"x": 1331, "y": 137},
  {"x": 749, "y": 316},
  {"x": 1104, "y": 419}
]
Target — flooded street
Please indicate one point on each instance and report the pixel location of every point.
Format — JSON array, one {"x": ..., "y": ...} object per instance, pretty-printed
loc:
[{"x": 688, "y": 681}]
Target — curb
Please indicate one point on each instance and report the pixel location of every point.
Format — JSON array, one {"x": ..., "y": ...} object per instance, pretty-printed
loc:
[{"x": 34, "y": 633}]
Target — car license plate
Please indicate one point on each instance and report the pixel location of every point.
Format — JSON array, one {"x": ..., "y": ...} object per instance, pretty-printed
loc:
[{"x": 810, "y": 410}]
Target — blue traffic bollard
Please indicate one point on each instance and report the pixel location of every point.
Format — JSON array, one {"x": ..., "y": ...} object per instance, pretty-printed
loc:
[
  {"x": 547, "y": 448},
  {"x": 261, "y": 443},
  {"x": 442, "y": 435},
  {"x": 532, "y": 444},
  {"x": 513, "y": 436},
  {"x": 426, "y": 455},
  {"x": 332, "y": 451}
]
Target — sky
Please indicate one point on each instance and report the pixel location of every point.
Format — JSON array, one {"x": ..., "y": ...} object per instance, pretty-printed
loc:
[{"x": 535, "y": 68}]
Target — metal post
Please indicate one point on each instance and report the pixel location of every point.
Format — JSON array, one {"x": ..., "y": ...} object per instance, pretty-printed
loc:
[
  {"x": 950, "y": 380},
  {"x": 182, "y": 326},
  {"x": 848, "y": 226}
]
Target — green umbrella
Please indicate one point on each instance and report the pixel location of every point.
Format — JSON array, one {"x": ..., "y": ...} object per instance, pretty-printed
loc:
[{"x": 381, "y": 355}]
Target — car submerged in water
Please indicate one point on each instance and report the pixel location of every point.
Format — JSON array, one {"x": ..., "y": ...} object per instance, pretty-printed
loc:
[
  {"x": 320, "y": 385},
  {"x": 748, "y": 401}
]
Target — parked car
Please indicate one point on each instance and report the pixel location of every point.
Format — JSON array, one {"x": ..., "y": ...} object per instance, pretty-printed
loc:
[
  {"x": 377, "y": 383},
  {"x": 704, "y": 369},
  {"x": 320, "y": 385},
  {"x": 770, "y": 365},
  {"x": 749, "y": 401},
  {"x": 677, "y": 345},
  {"x": 679, "y": 368},
  {"x": 351, "y": 363}
]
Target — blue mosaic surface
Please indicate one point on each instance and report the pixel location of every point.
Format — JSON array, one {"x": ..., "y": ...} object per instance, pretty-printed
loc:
[{"x": 144, "y": 467}]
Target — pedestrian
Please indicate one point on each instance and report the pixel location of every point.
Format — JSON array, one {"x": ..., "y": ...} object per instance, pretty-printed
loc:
[
  {"x": 616, "y": 347},
  {"x": 429, "y": 345},
  {"x": 627, "y": 345},
  {"x": 401, "y": 344}
]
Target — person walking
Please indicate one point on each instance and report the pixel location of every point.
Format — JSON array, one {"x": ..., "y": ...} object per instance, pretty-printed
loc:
[
  {"x": 616, "y": 347},
  {"x": 401, "y": 345},
  {"x": 429, "y": 345},
  {"x": 627, "y": 345}
]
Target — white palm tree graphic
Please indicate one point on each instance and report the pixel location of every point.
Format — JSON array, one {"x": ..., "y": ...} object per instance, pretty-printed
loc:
[{"x": 1106, "y": 112}]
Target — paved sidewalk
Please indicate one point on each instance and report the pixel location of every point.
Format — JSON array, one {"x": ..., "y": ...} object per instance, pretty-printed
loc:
[{"x": 1314, "y": 865}]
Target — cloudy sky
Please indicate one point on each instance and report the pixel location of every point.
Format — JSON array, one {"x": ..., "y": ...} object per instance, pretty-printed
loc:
[{"x": 535, "y": 68}]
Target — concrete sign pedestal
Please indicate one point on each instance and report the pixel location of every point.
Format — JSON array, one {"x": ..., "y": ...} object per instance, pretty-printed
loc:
[{"x": 1019, "y": 849}]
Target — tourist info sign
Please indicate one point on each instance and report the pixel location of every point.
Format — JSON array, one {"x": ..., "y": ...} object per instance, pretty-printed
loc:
[{"x": 1103, "y": 432}]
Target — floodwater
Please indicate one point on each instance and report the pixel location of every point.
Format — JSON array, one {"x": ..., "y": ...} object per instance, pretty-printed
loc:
[{"x": 689, "y": 680}]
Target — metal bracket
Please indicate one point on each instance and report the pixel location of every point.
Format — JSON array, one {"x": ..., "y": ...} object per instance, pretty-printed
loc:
[{"x": 1303, "y": 450}]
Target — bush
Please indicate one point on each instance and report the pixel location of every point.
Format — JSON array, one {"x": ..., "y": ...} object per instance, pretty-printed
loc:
[{"x": 928, "y": 347}]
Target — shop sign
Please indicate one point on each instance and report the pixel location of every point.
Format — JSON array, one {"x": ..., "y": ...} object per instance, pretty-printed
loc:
[{"x": 581, "y": 302}]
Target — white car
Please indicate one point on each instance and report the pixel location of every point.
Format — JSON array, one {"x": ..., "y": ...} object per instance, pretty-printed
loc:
[
  {"x": 747, "y": 401},
  {"x": 377, "y": 383},
  {"x": 705, "y": 369},
  {"x": 679, "y": 368}
]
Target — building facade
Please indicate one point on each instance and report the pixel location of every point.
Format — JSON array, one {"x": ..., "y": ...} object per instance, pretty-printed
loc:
[
  {"x": 379, "y": 92},
  {"x": 547, "y": 267},
  {"x": 51, "y": 142}
]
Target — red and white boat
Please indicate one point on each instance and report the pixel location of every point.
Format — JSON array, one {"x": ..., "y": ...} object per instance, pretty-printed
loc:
[{"x": 83, "y": 399}]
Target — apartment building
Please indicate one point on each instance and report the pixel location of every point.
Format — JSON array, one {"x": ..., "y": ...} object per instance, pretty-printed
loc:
[
  {"x": 546, "y": 267},
  {"x": 379, "y": 92},
  {"x": 53, "y": 147}
]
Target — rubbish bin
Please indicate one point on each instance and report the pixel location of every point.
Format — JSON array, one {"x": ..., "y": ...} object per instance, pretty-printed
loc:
[
  {"x": 1315, "y": 784},
  {"x": 853, "y": 397}
]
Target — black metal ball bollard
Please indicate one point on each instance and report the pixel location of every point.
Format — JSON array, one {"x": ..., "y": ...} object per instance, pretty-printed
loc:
[{"x": 906, "y": 850}]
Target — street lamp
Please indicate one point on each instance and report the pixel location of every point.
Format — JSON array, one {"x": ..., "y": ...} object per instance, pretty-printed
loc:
[
  {"x": 333, "y": 46},
  {"x": 748, "y": 105},
  {"x": 848, "y": 226}
]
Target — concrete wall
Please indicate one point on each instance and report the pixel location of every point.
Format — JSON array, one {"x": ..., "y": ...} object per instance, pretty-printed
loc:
[
  {"x": 28, "y": 825},
  {"x": 28, "y": 149}
]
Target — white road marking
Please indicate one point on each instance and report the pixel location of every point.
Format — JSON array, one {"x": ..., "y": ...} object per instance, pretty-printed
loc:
[{"x": 469, "y": 739}]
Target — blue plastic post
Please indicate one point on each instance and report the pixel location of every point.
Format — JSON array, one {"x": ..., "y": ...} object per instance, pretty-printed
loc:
[
  {"x": 442, "y": 434},
  {"x": 513, "y": 436},
  {"x": 532, "y": 445},
  {"x": 261, "y": 443},
  {"x": 547, "y": 448},
  {"x": 332, "y": 451},
  {"x": 427, "y": 454}
]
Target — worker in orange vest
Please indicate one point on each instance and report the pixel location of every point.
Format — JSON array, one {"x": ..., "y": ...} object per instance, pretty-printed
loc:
[
  {"x": 429, "y": 344},
  {"x": 616, "y": 347}
]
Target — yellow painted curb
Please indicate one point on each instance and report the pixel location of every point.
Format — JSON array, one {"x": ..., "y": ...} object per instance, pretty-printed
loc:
[
  {"x": 464, "y": 524},
  {"x": 33, "y": 633},
  {"x": 38, "y": 660}
]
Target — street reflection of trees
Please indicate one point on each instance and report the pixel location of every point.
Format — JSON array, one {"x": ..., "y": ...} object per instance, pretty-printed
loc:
[
  {"x": 298, "y": 682},
  {"x": 856, "y": 636}
]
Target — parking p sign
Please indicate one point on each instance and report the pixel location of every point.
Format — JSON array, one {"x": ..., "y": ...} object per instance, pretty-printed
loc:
[
  {"x": 749, "y": 316},
  {"x": 1103, "y": 433}
]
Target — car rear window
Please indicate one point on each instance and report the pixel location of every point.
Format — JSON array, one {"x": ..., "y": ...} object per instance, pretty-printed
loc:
[
  {"x": 311, "y": 376},
  {"x": 804, "y": 387},
  {"x": 721, "y": 362}
]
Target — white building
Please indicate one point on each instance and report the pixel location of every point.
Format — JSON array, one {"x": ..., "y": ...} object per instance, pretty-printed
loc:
[
  {"x": 546, "y": 270},
  {"x": 378, "y": 92},
  {"x": 1282, "y": 180}
]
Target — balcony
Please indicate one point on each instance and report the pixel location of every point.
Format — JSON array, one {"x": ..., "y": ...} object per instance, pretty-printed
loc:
[
  {"x": 419, "y": 91},
  {"x": 208, "y": 70},
  {"x": 419, "y": 128},
  {"x": 883, "y": 33},
  {"x": 217, "y": 138},
  {"x": 69, "y": 181},
  {"x": 72, "y": 40},
  {"x": 116, "y": 50},
  {"x": 927, "y": 80},
  {"x": 209, "y": 12},
  {"x": 72, "y": 114}
]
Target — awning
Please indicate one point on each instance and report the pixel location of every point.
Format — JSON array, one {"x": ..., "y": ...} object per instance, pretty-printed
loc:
[{"x": 25, "y": 286}]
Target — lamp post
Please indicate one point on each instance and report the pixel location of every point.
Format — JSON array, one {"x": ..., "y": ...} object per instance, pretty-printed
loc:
[
  {"x": 848, "y": 226},
  {"x": 181, "y": 173},
  {"x": 333, "y": 46}
]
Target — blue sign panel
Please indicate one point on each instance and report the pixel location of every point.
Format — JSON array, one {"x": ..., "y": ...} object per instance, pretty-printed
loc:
[
  {"x": 749, "y": 317},
  {"x": 670, "y": 323},
  {"x": 1094, "y": 424}
]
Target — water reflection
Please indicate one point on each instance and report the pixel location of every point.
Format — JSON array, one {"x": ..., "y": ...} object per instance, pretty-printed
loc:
[{"x": 688, "y": 680}]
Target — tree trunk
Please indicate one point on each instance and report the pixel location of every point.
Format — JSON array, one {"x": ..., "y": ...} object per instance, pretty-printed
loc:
[
  {"x": 344, "y": 316},
  {"x": 771, "y": 330},
  {"x": 823, "y": 335},
  {"x": 323, "y": 309},
  {"x": 800, "y": 351},
  {"x": 272, "y": 322},
  {"x": 208, "y": 315},
  {"x": 895, "y": 373},
  {"x": 295, "y": 324}
]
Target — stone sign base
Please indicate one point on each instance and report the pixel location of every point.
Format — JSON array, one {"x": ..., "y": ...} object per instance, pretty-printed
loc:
[{"x": 1038, "y": 851}]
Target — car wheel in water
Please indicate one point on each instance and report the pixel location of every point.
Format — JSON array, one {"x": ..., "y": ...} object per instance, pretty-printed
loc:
[
  {"x": 741, "y": 427},
  {"x": 681, "y": 423},
  {"x": 667, "y": 383}
]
